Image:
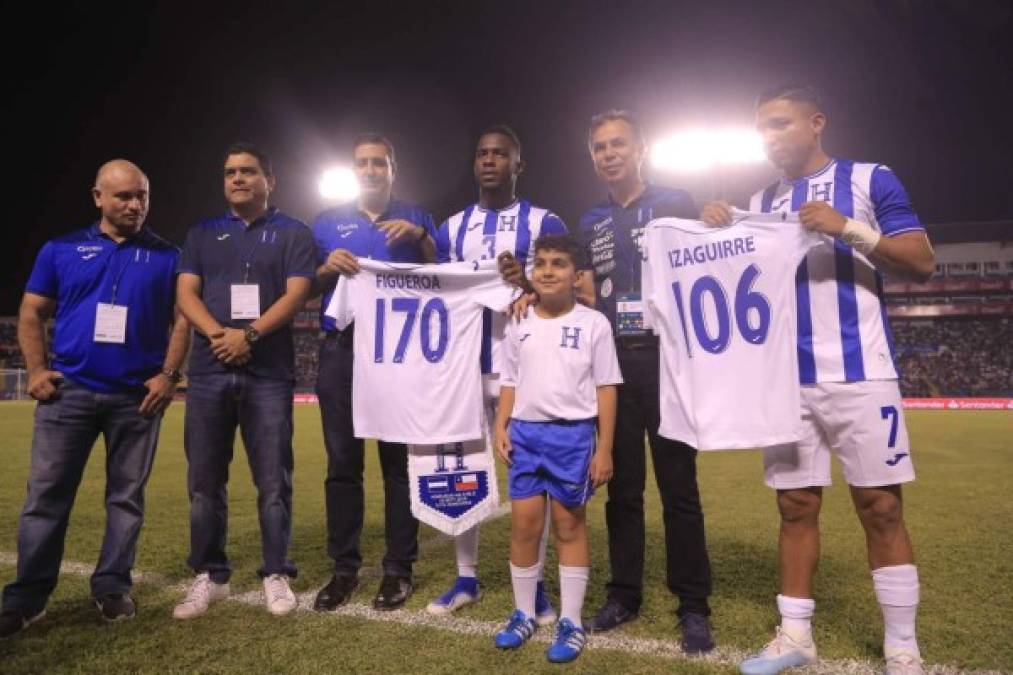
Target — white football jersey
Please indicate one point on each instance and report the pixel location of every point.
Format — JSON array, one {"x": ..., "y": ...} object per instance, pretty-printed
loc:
[
  {"x": 418, "y": 330},
  {"x": 843, "y": 331},
  {"x": 477, "y": 233},
  {"x": 722, "y": 301},
  {"x": 556, "y": 364}
]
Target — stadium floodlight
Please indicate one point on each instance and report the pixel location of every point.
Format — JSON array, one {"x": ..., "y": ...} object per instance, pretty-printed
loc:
[
  {"x": 338, "y": 184},
  {"x": 705, "y": 149}
]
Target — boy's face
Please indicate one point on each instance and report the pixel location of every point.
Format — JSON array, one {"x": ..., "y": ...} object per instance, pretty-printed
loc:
[{"x": 554, "y": 274}]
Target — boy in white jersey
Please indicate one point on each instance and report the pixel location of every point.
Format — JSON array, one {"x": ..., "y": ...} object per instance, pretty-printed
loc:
[
  {"x": 498, "y": 224},
  {"x": 554, "y": 428},
  {"x": 851, "y": 404}
]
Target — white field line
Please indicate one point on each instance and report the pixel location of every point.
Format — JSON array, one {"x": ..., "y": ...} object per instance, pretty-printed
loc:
[{"x": 464, "y": 626}]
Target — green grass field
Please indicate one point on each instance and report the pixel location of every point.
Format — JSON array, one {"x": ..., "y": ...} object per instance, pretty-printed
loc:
[{"x": 959, "y": 514}]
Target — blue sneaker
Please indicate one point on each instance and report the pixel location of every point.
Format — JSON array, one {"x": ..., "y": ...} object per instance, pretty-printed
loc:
[
  {"x": 570, "y": 641},
  {"x": 780, "y": 653},
  {"x": 545, "y": 613},
  {"x": 519, "y": 630},
  {"x": 464, "y": 592}
]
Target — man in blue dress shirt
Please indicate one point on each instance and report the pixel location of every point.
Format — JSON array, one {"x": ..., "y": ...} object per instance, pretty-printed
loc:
[
  {"x": 116, "y": 352},
  {"x": 375, "y": 225},
  {"x": 242, "y": 277}
]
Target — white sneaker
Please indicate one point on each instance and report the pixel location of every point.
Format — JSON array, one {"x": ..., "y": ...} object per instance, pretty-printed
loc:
[
  {"x": 902, "y": 661},
  {"x": 279, "y": 597},
  {"x": 201, "y": 594},
  {"x": 780, "y": 653}
]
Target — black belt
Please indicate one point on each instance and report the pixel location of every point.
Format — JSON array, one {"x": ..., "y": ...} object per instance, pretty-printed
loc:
[
  {"x": 344, "y": 337},
  {"x": 633, "y": 342}
]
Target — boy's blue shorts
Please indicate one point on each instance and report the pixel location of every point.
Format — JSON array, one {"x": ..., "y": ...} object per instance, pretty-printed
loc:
[{"x": 554, "y": 458}]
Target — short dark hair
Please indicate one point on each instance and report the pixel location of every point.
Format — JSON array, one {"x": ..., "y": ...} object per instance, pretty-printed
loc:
[
  {"x": 503, "y": 130},
  {"x": 370, "y": 138},
  {"x": 800, "y": 93},
  {"x": 617, "y": 115},
  {"x": 562, "y": 243},
  {"x": 247, "y": 148}
]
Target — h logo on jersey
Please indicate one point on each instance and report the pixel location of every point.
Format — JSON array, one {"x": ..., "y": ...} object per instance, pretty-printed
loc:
[
  {"x": 507, "y": 223},
  {"x": 820, "y": 192},
  {"x": 455, "y": 450},
  {"x": 571, "y": 338}
]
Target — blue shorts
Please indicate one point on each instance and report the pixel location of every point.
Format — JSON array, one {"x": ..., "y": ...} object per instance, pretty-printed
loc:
[{"x": 554, "y": 458}]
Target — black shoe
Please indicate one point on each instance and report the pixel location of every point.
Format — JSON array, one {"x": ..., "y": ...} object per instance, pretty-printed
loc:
[
  {"x": 696, "y": 633},
  {"x": 13, "y": 622},
  {"x": 393, "y": 593},
  {"x": 610, "y": 615},
  {"x": 336, "y": 593},
  {"x": 116, "y": 607}
]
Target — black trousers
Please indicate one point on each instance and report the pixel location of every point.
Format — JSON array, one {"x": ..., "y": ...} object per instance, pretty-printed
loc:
[
  {"x": 688, "y": 566},
  {"x": 343, "y": 489}
]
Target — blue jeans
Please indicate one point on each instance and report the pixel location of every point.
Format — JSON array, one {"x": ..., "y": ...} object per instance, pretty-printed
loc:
[
  {"x": 216, "y": 404},
  {"x": 65, "y": 430}
]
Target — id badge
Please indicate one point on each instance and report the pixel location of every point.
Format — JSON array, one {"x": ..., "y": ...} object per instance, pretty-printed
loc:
[
  {"x": 110, "y": 323},
  {"x": 629, "y": 314},
  {"x": 245, "y": 301}
]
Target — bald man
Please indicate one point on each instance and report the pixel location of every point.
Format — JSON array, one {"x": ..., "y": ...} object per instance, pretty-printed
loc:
[{"x": 117, "y": 347}]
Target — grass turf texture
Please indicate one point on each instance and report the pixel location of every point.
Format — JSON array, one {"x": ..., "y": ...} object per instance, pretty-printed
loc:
[{"x": 958, "y": 513}]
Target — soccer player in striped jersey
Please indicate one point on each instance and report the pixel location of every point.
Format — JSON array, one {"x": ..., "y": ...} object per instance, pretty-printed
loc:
[
  {"x": 499, "y": 223},
  {"x": 851, "y": 404}
]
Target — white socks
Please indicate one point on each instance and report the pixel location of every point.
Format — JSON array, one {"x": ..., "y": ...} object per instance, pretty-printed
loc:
[
  {"x": 466, "y": 548},
  {"x": 572, "y": 585},
  {"x": 525, "y": 583},
  {"x": 796, "y": 617},
  {"x": 897, "y": 593}
]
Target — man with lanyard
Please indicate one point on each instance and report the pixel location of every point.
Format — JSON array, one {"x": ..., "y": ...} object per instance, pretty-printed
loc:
[
  {"x": 851, "y": 404},
  {"x": 242, "y": 277},
  {"x": 499, "y": 225},
  {"x": 115, "y": 367},
  {"x": 379, "y": 226},
  {"x": 611, "y": 233}
]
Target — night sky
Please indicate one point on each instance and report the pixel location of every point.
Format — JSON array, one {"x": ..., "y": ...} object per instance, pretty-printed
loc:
[{"x": 926, "y": 87}]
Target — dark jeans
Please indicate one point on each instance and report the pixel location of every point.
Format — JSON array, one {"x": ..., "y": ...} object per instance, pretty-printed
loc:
[
  {"x": 65, "y": 430},
  {"x": 262, "y": 408},
  {"x": 343, "y": 491},
  {"x": 688, "y": 566}
]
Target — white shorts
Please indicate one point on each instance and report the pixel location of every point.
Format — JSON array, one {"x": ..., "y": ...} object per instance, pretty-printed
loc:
[{"x": 861, "y": 422}]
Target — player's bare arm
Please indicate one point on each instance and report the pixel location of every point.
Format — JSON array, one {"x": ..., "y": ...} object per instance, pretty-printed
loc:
[
  {"x": 601, "y": 463},
  {"x": 35, "y": 311},
  {"x": 907, "y": 255},
  {"x": 502, "y": 424},
  {"x": 162, "y": 386},
  {"x": 585, "y": 288}
]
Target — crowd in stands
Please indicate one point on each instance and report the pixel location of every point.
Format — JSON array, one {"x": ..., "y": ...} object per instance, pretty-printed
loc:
[
  {"x": 10, "y": 355},
  {"x": 955, "y": 357},
  {"x": 938, "y": 357}
]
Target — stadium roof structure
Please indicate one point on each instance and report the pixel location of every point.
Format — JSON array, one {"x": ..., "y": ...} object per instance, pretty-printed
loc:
[{"x": 964, "y": 232}]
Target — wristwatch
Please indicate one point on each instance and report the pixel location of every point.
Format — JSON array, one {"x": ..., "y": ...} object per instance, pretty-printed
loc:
[
  {"x": 174, "y": 376},
  {"x": 251, "y": 334}
]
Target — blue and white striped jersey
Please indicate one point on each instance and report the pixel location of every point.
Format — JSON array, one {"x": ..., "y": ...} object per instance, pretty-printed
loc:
[
  {"x": 481, "y": 234},
  {"x": 843, "y": 332}
]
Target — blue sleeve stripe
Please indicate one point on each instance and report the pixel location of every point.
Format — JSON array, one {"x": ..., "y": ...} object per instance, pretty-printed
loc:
[
  {"x": 894, "y": 233},
  {"x": 461, "y": 231}
]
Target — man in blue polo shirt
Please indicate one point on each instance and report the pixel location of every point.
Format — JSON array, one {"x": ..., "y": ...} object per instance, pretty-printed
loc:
[
  {"x": 611, "y": 233},
  {"x": 113, "y": 372},
  {"x": 377, "y": 226},
  {"x": 242, "y": 277}
]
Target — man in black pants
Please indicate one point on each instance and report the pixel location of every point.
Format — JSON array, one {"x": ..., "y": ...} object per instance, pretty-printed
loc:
[
  {"x": 377, "y": 226},
  {"x": 611, "y": 232}
]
